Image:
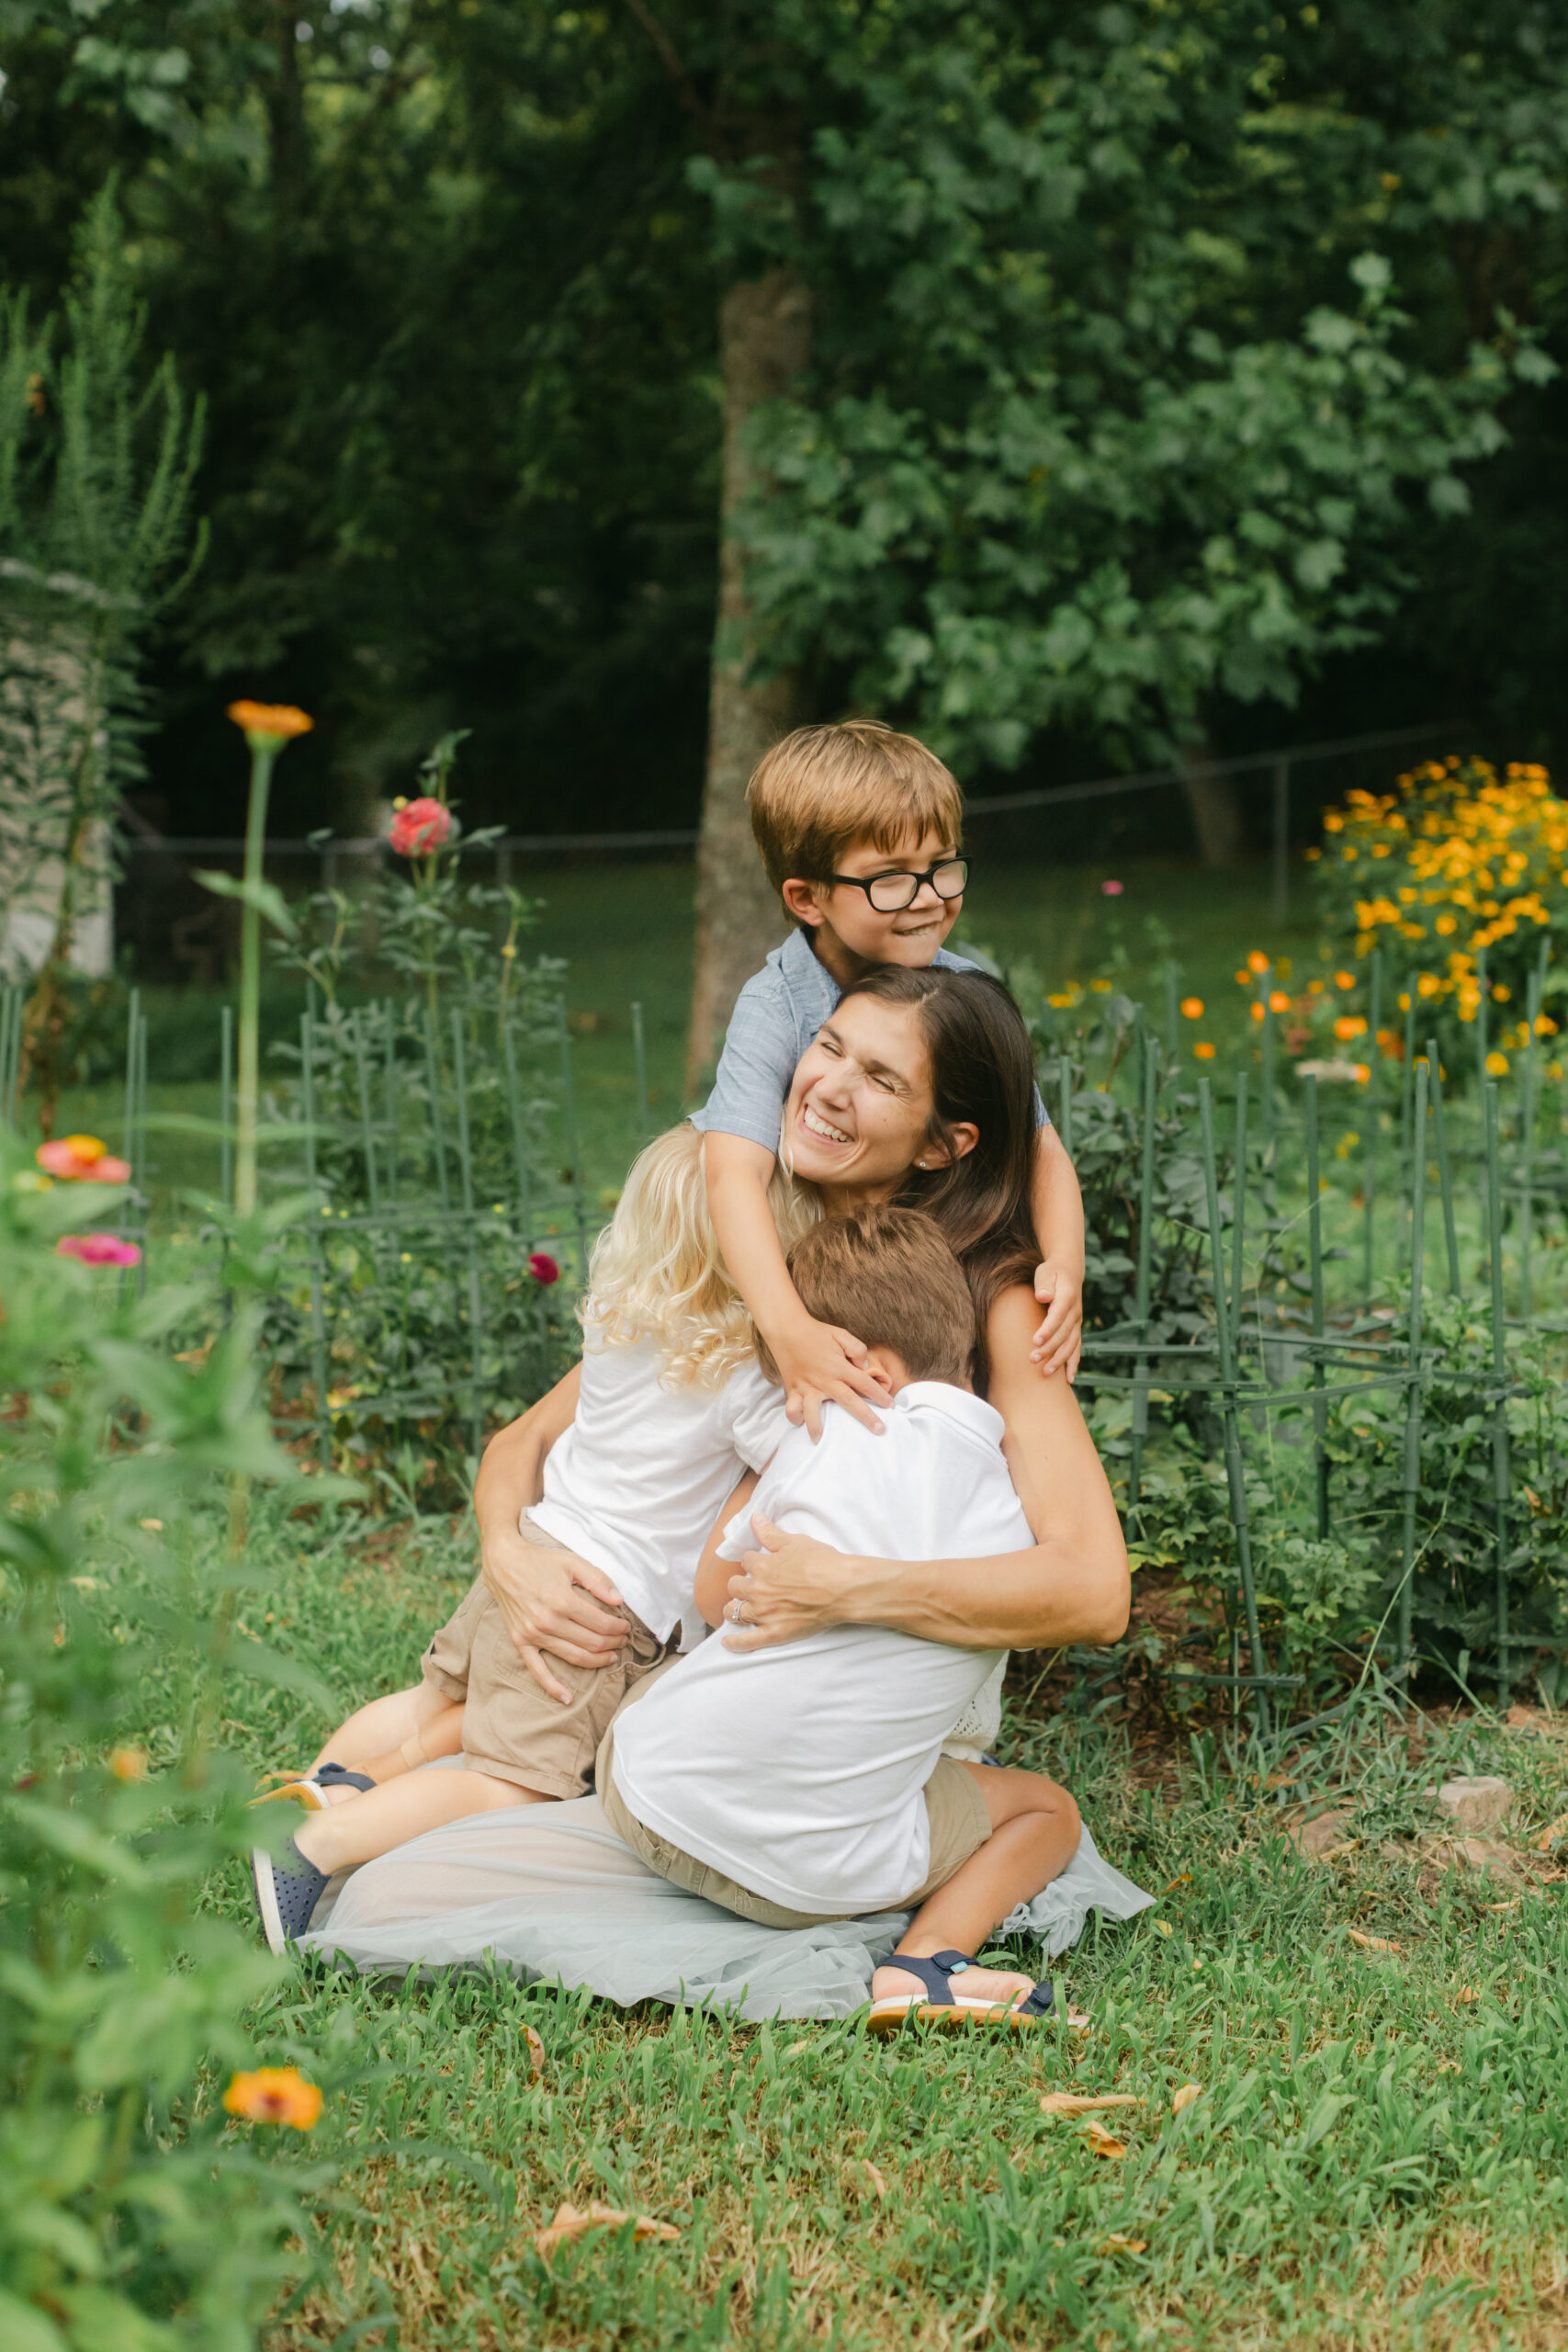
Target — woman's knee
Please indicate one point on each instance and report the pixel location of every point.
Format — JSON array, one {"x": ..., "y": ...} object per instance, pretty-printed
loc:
[{"x": 1009, "y": 1793}]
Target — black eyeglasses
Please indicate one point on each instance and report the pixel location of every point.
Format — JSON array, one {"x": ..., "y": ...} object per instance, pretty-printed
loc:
[{"x": 891, "y": 893}]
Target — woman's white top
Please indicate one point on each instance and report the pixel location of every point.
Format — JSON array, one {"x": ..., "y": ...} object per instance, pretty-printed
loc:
[
  {"x": 638, "y": 1481},
  {"x": 798, "y": 1771}
]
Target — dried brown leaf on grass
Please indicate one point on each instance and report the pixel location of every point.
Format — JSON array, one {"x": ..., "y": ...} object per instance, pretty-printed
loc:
[
  {"x": 1125, "y": 2245},
  {"x": 1084, "y": 2102},
  {"x": 1183, "y": 1878},
  {"x": 878, "y": 2181},
  {"x": 1375, "y": 1943},
  {"x": 1184, "y": 2097},
  {"x": 570, "y": 2223},
  {"x": 1101, "y": 2141},
  {"x": 1548, "y": 1837},
  {"x": 536, "y": 2049},
  {"x": 1164, "y": 1928}
]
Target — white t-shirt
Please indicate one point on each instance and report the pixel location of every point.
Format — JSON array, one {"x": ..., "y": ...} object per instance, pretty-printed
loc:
[
  {"x": 798, "y": 1771},
  {"x": 636, "y": 1482}
]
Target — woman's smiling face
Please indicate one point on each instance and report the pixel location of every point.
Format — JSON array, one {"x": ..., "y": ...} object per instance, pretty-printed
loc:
[{"x": 859, "y": 1112}]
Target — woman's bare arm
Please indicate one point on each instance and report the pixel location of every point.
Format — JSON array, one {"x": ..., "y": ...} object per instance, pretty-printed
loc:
[
  {"x": 552, "y": 1604},
  {"x": 1072, "y": 1585}
]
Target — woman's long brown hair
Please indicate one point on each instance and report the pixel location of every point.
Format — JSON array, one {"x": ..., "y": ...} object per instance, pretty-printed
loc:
[{"x": 983, "y": 1073}]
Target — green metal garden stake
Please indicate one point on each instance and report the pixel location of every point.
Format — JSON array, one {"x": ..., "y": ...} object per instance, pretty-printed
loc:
[
  {"x": 389, "y": 1093},
  {"x": 1527, "y": 1144},
  {"x": 569, "y": 1109},
  {"x": 366, "y": 1130},
  {"x": 1406, "y": 1094},
  {"x": 1235, "y": 1471},
  {"x": 1501, "y": 1474},
  {"x": 1141, "y": 1291},
  {"x": 126, "y": 1148},
  {"x": 1445, "y": 1173},
  {"x": 639, "y": 1063},
  {"x": 1172, "y": 1012},
  {"x": 1412, "y": 1475},
  {"x": 433, "y": 1081},
  {"x": 1064, "y": 1099},
  {"x": 1238, "y": 1212},
  {"x": 476, "y": 1300},
  {"x": 1315, "y": 1260},
  {"x": 318, "y": 1300},
  {"x": 1369, "y": 1161}
]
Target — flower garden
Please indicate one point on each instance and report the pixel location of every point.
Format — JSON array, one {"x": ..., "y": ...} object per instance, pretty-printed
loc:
[{"x": 1328, "y": 1309}]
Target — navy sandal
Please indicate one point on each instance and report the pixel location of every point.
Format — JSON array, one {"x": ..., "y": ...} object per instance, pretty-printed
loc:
[
  {"x": 288, "y": 1891},
  {"x": 939, "y": 2005},
  {"x": 310, "y": 1789}
]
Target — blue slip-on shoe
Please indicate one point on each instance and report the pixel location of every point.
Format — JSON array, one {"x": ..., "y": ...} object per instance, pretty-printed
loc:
[{"x": 288, "y": 1891}]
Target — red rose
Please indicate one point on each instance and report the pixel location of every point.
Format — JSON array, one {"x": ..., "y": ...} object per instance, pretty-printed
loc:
[
  {"x": 419, "y": 827},
  {"x": 543, "y": 1269}
]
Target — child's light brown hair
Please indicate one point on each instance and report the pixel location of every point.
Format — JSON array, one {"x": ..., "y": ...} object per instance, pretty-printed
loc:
[
  {"x": 823, "y": 789},
  {"x": 888, "y": 1275}
]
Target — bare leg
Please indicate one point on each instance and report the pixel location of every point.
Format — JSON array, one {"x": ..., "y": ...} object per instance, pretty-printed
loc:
[
  {"x": 405, "y": 1808},
  {"x": 441, "y": 1736},
  {"x": 1035, "y": 1834},
  {"x": 380, "y": 1725}
]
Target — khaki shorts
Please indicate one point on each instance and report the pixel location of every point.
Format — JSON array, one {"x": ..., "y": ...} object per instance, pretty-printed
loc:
[
  {"x": 960, "y": 1825},
  {"x": 512, "y": 1728}
]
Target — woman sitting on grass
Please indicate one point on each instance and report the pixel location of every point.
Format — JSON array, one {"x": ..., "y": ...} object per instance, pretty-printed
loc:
[{"x": 919, "y": 1086}]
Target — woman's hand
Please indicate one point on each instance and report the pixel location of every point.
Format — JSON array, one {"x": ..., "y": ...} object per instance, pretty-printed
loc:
[
  {"x": 553, "y": 1605},
  {"x": 789, "y": 1587}
]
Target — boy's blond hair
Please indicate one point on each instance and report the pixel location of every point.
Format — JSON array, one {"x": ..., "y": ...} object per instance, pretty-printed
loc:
[
  {"x": 656, "y": 1273},
  {"x": 824, "y": 789}
]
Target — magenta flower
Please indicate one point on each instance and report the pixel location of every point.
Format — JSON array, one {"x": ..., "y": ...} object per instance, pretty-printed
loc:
[
  {"x": 1111, "y": 890},
  {"x": 419, "y": 827},
  {"x": 543, "y": 1269},
  {"x": 98, "y": 1249}
]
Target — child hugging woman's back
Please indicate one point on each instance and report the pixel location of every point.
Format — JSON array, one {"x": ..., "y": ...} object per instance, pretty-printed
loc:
[{"x": 671, "y": 1411}]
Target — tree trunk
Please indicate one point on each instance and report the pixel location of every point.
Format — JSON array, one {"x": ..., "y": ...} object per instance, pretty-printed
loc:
[
  {"x": 764, "y": 337},
  {"x": 1216, "y": 803}
]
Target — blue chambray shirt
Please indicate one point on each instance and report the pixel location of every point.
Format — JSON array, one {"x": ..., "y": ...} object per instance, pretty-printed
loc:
[{"x": 776, "y": 1016}]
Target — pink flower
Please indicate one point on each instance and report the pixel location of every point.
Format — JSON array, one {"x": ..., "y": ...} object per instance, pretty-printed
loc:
[
  {"x": 82, "y": 1157},
  {"x": 419, "y": 827},
  {"x": 543, "y": 1269},
  {"x": 98, "y": 1249},
  {"x": 1111, "y": 890}
]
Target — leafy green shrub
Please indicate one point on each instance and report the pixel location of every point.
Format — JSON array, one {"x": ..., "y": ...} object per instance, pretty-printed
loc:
[
  {"x": 436, "y": 1256},
  {"x": 1456, "y": 1521},
  {"x": 134, "y": 2216}
]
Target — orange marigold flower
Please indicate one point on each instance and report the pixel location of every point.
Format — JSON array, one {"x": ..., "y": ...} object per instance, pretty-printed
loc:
[
  {"x": 1193, "y": 1007},
  {"x": 1204, "y": 1051},
  {"x": 1497, "y": 1064},
  {"x": 1362, "y": 1072},
  {"x": 275, "y": 2095},
  {"x": 1349, "y": 1025},
  {"x": 1344, "y": 979},
  {"x": 129, "y": 1763},
  {"x": 1257, "y": 961},
  {"x": 272, "y": 722},
  {"x": 1255, "y": 1010},
  {"x": 1278, "y": 1001}
]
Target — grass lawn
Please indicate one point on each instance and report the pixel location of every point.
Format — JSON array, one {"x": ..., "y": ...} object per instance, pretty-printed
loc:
[
  {"x": 1376, "y": 2155},
  {"x": 625, "y": 932}
]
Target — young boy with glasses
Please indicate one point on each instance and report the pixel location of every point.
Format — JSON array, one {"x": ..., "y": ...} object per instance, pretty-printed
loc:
[{"x": 861, "y": 830}]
